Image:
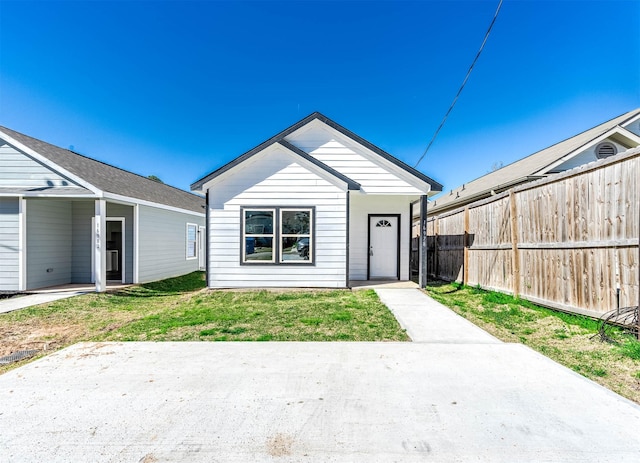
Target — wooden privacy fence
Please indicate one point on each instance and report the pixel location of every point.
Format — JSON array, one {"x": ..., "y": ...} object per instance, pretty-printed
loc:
[{"x": 569, "y": 241}]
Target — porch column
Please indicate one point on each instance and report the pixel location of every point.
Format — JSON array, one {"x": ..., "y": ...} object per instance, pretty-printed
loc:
[
  {"x": 100, "y": 249},
  {"x": 422, "y": 275}
]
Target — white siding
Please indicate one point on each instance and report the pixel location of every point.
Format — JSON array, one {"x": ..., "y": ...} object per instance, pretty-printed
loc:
[
  {"x": 49, "y": 237},
  {"x": 20, "y": 170},
  {"x": 9, "y": 244},
  {"x": 275, "y": 181},
  {"x": 163, "y": 244},
  {"x": 372, "y": 172},
  {"x": 363, "y": 205}
]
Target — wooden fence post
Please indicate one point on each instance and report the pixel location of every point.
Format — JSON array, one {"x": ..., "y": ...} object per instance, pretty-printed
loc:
[
  {"x": 515, "y": 255},
  {"x": 465, "y": 243}
]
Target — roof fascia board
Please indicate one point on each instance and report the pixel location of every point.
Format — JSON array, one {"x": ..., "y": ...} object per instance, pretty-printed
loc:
[
  {"x": 351, "y": 184},
  {"x": 631, "y": 120},
  {"x": 380, "y": 152},
  {"x": 307, "y": 161},
  {"x": 199, "y": 184},
  {"x": 46, "y": 161},
  {"x": 612, "y": 131},
  {"x": 127, "y": 200}
]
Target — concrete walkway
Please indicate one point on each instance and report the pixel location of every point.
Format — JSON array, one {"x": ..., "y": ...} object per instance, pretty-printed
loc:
[
  {"x": 28, "y": 300},
  {"x": 455, "y": 394}
]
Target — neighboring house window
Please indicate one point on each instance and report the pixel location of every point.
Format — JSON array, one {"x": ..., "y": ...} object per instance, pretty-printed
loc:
[
  {"x": 606, "y": 149},
  {"x": 192, "y": 241},
  {"x": 280, "y": 235}
]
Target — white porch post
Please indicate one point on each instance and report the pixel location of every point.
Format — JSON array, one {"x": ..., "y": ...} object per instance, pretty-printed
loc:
[
  {"x": 136, "y": 242},
  {"x": 99, "y": 251},
  {"x": 22, "y": 244}
]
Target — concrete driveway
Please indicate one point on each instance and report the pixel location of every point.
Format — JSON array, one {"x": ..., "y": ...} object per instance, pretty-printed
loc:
[{"x": 269, "y": 402}]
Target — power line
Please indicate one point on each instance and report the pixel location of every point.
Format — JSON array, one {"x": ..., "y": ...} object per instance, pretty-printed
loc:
[{"x": 484, "y": 41}]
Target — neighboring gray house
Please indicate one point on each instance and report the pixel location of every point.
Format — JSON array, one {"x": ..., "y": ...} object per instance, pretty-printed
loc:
[
  {"x": 314, "y": 206},
  {"x": 66, "y": 218},
  {"x": 609, "y": 138}
]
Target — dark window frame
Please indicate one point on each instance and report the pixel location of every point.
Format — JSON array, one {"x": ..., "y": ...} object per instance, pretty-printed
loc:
[{"x": 277, "y": 237}]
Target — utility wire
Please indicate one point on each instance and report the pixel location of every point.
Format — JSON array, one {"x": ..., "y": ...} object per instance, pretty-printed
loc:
[{"x": 484, "y": 41}]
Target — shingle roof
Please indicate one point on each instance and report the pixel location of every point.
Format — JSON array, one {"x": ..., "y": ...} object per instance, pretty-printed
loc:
[
  {"x": 109, "y": 178},
  {"x": 523, "y": 170},
  {"x": 435, "y": 186}
]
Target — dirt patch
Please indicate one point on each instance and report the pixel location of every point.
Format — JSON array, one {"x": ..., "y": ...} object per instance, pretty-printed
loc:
[
  {"x": 38, "y": 336},
  {"x": 279, "y": 445}
]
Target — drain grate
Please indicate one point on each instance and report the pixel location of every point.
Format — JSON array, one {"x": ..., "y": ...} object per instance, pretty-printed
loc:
[{"x": 16, "y": 356}]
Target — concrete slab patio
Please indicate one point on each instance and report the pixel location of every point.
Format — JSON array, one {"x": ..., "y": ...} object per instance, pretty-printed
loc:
[{"x": 460, "y": 395}]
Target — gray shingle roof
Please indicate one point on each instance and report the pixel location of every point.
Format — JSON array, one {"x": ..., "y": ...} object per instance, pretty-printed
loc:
[
  {"x": 523, "y": 170},
  {"x": 109, "y": 178}
]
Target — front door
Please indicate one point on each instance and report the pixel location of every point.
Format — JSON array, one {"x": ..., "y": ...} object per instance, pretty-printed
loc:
[{"x": 384, "y": 242}]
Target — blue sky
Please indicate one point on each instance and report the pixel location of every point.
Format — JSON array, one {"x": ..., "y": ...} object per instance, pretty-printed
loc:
[{"x": 177, "y": 89}]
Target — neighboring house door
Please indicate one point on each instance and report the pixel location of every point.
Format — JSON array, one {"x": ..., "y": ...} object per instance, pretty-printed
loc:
[{"x": 384, "y": 247}]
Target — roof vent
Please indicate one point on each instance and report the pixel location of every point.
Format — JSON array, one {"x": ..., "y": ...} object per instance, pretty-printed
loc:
[{"x": 606, "y": 149}]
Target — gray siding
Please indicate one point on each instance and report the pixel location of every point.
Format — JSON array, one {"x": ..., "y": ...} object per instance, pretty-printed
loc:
[
  {"x": 49, "y": 236},
  {"x": 120, "y": 210},
  {"x": 9, "y": 241},
  {"x": 81, "y": 246},
  {"x": 163, "y": 244},
  {"x": 20, "y": 170}
]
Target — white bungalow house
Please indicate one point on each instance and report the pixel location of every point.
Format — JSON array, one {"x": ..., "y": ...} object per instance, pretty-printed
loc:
[
  {"x": 66, "y": 218},
  {"x": 314, "y": 206}
]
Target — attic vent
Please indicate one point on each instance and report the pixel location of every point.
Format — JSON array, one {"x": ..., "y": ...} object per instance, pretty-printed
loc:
[
  {"x": 383, "y": 223},
  {"x": 606, "y": 149}
]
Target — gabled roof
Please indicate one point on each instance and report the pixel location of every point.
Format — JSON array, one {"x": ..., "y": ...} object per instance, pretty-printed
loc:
[
  {"x": 529, "y": 168},
  {"x": 280, "y": 137},
  {"x": 108, "y": 178}
]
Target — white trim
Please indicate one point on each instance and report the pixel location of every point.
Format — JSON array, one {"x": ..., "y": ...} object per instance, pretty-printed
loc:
[
  {"x": 136, "y": 243},
  {"x": 132, "y": 201},
  {"x": 22, "y": 244},
  {"x": 124, "y": 249},
  {"x": 275, "y": 148},
  {"x": 195, "y": 242},
  {"x": 99, "y": 248},
  {"x": 49, "y": 163},
  {"x": 609, "y": 133},
  {"x": 630, "y": 121},
  {"x": 27, "y": 194},
  {"x": 202, "y": 244}
]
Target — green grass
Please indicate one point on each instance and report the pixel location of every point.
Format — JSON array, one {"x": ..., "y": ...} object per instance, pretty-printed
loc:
[
  {"x": 569, "y": 339},
  {"x": 180, "y": 309}
]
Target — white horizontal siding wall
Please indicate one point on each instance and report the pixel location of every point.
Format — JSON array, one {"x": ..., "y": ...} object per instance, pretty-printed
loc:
[
  {"x": 49, "y": 238},
  {"x": 17, "y": 169},
  {"x": 360, "y": 207},
  {"x": 9, "y": 244},
  {"x": 371, "y": 171},
  {"x": 276, "y": 181},
  {"x": 162, "y": 243}
]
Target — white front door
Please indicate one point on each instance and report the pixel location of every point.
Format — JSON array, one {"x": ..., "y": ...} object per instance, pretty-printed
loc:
[{"x": 383, "y": 247}]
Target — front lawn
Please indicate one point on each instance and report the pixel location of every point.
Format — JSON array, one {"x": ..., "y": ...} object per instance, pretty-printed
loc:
[{"x": 181, "y": 309}]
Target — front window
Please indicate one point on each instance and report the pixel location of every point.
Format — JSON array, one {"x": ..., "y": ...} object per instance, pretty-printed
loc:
[
  {"x": 279, "y": 235},
  {"x": 258, "y": 235},
  {"x": 192, "y": 240}
]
